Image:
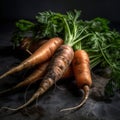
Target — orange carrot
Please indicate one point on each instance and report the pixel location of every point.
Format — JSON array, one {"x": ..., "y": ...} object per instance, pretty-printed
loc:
[
  {"x": 81, "y": 70},
  {"x": 41, "y": 55},
  {"x": 59, "y": 63}
]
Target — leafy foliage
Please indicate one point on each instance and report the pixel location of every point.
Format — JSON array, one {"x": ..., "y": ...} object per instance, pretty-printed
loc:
[
  {"x": 23, "y": 28},
  {"x": 51, "y": 24}
]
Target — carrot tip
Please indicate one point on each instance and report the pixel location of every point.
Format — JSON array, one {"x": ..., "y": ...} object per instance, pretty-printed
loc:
[
  {"x": 2, "y": 76},
  {"x": 8, "y": 108},
  {"x": 86, "y": 94},
  {"x": 5, "y": 91}
]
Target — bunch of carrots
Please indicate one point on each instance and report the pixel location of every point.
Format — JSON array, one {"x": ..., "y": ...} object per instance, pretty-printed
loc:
[{"x": 61, "y": 56}]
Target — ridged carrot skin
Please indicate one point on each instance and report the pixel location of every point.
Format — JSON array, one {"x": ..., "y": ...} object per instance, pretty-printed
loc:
[
  {"x": 42, "y": 54},
  {"x": 58, "y": 64}
]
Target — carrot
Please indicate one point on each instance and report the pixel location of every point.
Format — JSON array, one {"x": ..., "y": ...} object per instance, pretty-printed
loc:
[
  {"x": 58, "y": 64},
  {"x": 35, "y": 76},
  {"x": 81, "y": 70},
  {"x": 41, "y": 55},
  {"x": 30, "y": 45}
]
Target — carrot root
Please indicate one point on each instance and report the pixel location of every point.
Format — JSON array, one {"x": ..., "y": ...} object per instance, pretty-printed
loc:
[{"x": 85, "y": 97}]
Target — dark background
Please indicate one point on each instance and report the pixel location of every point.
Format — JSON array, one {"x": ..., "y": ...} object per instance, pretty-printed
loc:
[
  {"x": 55, "y": 99},
  {"x": 11, "y": 10}
]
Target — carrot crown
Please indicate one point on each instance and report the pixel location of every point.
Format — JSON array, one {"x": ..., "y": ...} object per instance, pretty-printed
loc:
[{"x": 73, "y": 29}]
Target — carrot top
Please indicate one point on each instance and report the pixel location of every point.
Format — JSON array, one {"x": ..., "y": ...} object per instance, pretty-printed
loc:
[
  {"x": 66, "y": 26},
  {"x": 72, "y": 28},
  {"x": 50, "y": 24}
]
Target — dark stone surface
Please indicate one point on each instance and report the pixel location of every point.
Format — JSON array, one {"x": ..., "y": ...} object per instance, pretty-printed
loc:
[{"x": 47, "y": 106}]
